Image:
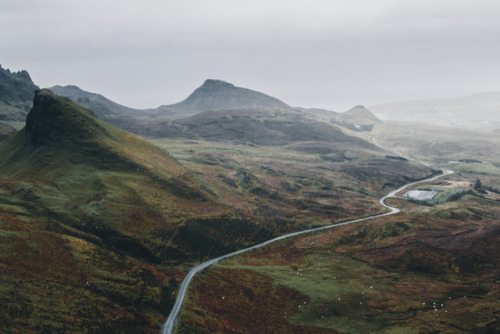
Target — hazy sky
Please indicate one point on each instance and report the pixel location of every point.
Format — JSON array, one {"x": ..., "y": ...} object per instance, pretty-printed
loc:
[{"x": 313, "y": 53}]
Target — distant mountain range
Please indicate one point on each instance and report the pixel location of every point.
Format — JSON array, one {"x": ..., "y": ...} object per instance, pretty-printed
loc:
[
  {"x": 17, "y": 91},
  {"x": 212, "y": 95},
  {"x": 101, "y": 106},
  {"x": 478, "y": 110},
  {"x": 216, "y": 110}
]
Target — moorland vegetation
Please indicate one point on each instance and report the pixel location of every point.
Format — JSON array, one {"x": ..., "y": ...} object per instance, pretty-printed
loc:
[{"x": 98, "y": 226}]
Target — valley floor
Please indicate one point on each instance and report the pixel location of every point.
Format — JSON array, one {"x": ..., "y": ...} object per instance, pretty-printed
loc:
[{"x": 417, "y": 272}]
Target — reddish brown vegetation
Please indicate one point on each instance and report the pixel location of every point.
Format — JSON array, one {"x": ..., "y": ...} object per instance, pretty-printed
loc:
[
  {"x": 52, "y": 282},
  {"x": 242, "y": 301}
]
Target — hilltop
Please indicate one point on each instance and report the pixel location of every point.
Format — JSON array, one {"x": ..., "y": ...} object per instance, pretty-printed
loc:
[
  {"x": 221, "y": 95},
  {"x": 357, "y": 118}
]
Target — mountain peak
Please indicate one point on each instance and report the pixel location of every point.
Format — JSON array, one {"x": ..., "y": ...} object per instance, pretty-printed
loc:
[
  {"x": 221, "y": 95},
  {"x": 357, "y": 118},
  {"x": 216, "y": 83},
  {"x": 54, "y": 119},
  {"x": 360, "y": 112}
]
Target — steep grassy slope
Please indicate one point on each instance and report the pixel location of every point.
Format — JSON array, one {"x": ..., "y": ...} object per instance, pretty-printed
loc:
[
  {"x": 85, "y": 211},
  {"x": 89, "y": 217},
  {"x": 55, "y": 281},
  {"x": 130, "y": 193}
]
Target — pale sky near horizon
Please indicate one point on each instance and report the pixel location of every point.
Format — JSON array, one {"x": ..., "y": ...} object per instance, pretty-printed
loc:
[{"x": 332, "y": 54}]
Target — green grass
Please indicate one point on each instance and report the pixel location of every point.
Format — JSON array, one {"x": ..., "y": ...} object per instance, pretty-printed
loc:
[{"x": 483, "y": 168}]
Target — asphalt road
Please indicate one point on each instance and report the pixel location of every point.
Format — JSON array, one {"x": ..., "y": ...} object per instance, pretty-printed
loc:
[{"x": 169, "y": 325}]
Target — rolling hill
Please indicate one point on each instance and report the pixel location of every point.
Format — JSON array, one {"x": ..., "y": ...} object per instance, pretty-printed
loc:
[{"x": 221, "y": 95}]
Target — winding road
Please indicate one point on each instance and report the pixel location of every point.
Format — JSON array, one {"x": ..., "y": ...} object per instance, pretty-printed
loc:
[{"x": 169, "y": 325}]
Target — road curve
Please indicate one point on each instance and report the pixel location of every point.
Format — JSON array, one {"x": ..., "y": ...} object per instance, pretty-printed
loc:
[{"x": 169, "y": 325}]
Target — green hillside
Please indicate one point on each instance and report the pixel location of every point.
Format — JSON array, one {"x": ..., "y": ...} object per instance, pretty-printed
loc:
[
  {"x": 99, "y": 226},
  {"x": 129, "y": 191},
  {"x": 94, "y": 222}
]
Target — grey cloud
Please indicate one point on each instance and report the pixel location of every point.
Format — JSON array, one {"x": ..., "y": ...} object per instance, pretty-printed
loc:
[{"x": 331, "y": 54}]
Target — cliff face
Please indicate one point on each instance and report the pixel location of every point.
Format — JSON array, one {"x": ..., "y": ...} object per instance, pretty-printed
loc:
[
  {"x": 54, "y": 119},
  {"x": 16, "y": 95}
]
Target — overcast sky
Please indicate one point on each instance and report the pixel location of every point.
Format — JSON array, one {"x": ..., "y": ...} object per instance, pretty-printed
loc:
[{"x": 332, "y": 54}]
